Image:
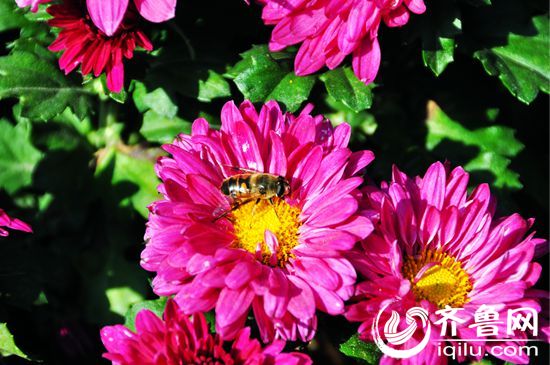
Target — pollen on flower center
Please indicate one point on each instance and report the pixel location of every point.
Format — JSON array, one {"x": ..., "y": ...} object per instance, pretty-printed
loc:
[
  {"x": 438, "y": 278},
  {"x": 251, "y": 220}
]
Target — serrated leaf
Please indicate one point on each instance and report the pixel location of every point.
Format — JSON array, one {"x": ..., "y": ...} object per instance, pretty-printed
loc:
[
  {"x": 156, "y": 306},
  {"x": 439, "y": 28},
  {"x": 523, "y": 63},
  {"x": 18, "y": 157},
  {"x": 41, "y": 88},
  {"x": 159, "y": 101},
  {"x": 159, "y": 129},
  {"x": 292, "y": 90},
  {"x": 260, "y": 77},
  {"x": 7, "y": 344},
  {"x": 345, "y": 87},
  {"x": 10, "y": 17},
  {"x": 496, "y": 145},
  {"x": 358, "y": 349},
  {"x": 215, "y": 86}
]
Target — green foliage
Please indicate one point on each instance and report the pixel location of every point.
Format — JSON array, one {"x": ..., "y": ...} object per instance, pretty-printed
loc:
[
  {"x": 358, "y": 349},
  {"x": 156, "y": 306},
  {"x": 439, "y": 29},
  {"x": 260, "y": 77},
  {"x": 7, "y": 344},
  {"x": 42, "y": 89},
  {"x": 18, "y": 157},
  {"x": 523, "y": 63},
  {"x": 213, "y": 87},
  {"x": 345, "y": 87},
  {"x": 497, "y": 144},
  {"x": 133, "y": 170},
  {"x": 10, "y": 18},
  {"x": 160, "y": 121}
]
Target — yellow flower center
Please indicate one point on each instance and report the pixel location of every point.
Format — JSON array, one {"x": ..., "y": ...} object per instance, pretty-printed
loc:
[
  {"x": 438, "y": 278},
  {"x": 251, "y": 220}
]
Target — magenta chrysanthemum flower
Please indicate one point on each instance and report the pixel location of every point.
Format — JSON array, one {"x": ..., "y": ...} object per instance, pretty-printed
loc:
[
  {"x": 434, "y": 245},
  {"x": 329, "y": 30},
  {"x": 7, "y": 222},
  {"x": 32, "y": 3},
  {"x": 179, "y": 340},
  {"x": 284, "y": 259},
  {"x": 84, "y": 44}
]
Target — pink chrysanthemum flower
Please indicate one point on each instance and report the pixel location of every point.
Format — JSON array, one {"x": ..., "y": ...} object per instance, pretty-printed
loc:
[
  {"x": 329, "y": 30},
  {"x": 179, "y": 340},
  {"x": 84, "y": 44},
  {"x": 32, "y": 3},
  {"x": 7, "y": 222},
  {"x": 434, "y": 245},
  {"x": 284, "y": 259}
]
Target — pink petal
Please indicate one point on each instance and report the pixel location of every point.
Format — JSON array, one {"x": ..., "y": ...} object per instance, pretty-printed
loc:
[
  {"x": 232, "y": 304},
  {"x": 107, "y": 14},
  {"x": 366, "y": 60},
  {"x": 147, "y": 321},
  {"x": 433, "y": 185},
  {"x": 156, "y": 11},
  {"x": 277, "y": 158},
  {"x": 302, "y": 303},
  {"x": 241, "y": 274},
  {"x": 416, "y": 6},
  {"x": 310, "y": 57}
]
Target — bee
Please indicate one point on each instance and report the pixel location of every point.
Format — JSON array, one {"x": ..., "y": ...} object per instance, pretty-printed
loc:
[{"x": 253, "y": 186}]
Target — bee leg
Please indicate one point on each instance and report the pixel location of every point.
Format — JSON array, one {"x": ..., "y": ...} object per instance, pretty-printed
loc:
[
  {"x": 237, "y": 205},
  {"x": 255, "y": 205},
  {"x": 270, "y": 200}
]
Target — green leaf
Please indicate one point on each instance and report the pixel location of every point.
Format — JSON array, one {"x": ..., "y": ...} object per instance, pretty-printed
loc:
[
  {"x": 10, "y": 17},
  {"x": 18, "y": 157},
  {"x": 41, "y": 88},
  {"x": 523, "y": 62},
  {"x": 7, "y": 344},
  {"x": 156, "y": 128},
  {"x": 133, "y": 170},
  {"x": 292, "y": 90},
  {"x": 439, "y": 28},
  {"x": 159, "y": 101},
  {"x": 358, "y": 349},
  {"x": 215, "y": 86},
  {"x": 345, "y": 87},
  {"x": 496, "y": 145},
  {"x": 260, "y": 77},
  {"x": 122, "y": 298},
  {"x": 156, "y": 306}
]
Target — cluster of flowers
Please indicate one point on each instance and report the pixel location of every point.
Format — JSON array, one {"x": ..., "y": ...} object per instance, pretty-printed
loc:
[
  {"x": 99, "y": 34},
  {"x": 420, "y": 241}
]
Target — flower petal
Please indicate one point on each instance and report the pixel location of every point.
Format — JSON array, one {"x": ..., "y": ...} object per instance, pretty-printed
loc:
[
  {"x": 107, "y": 14},
  {"x": 156, "y": 11}
]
